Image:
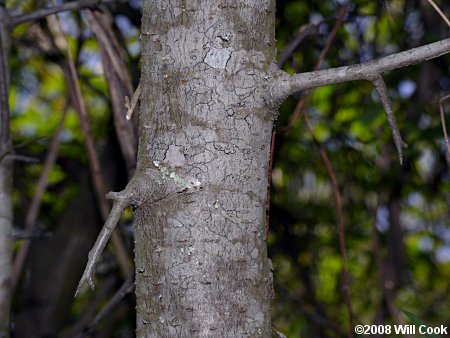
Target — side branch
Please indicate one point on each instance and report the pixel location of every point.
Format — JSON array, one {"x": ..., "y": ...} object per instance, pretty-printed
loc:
[
  {"x": 147, "y": 185},
  {"x": 100, "y": 243},
  {"x": 289, "y": 84}
]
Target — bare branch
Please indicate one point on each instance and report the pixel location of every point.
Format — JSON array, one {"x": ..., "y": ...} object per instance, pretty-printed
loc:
[
  {"x": 100, "y": 243},
  {"x": 303, "y": 32},
  {"x": 382, "y": 90},
  {"x": 289, "y": 84},
  {"x": 22, "y": 158},
  {"x": 68, "y": 6}
]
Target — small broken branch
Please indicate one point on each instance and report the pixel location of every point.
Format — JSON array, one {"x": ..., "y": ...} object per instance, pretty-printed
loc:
[
  {"x": 382, "y": 90},
  {"x": 150, "y": 185},
  {"x": 100, "y": 243},
  {"x": 131, "y": 106}
]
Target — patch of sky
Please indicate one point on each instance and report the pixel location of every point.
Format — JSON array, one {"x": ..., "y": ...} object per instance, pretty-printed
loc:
[
  {"x": 425, "y": 244},
  {"x": 68, "y": 24},
  {"x": 315, "y": 18},
  {"x": 125, "y": 26},
  {"x": 136, "y": 4},
  {"x": 413, "y": 25},
  {"x": 382, "y": 219},
  {"x": 406, "y": 88},
  {"x": 442, "y": 254},
  {"x": 91, "y": 59},
  {"x": 416, "y": 200}
]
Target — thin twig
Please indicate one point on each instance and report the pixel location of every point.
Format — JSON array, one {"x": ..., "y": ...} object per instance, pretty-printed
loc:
[
  {"x": 68, "y": 6},
  {"x": 303, "y": 32},
  {"x": 36, "y": 202},
  {"x": 382, "y": 90},
  {"x": 340, "y": 220},
  {"x": 302, "y": 103},
  {"x": 107, "y": 41},
  {"x": 444, "y": 128},
  {"x": 125, "y": 289},
  {"x": 21, "y": 145},
  {"x": 438, "y": 10},
  {"x": 22, "y": 158}
]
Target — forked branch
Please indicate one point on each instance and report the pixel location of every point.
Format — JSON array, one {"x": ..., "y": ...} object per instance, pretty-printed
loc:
[
  {"x": 289, "y": 84},
  {"x": 286, "y": 85}
]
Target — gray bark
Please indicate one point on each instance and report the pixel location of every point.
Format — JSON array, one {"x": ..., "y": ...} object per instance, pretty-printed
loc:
[
  {"x": 205, "y": 124},
  {"x": 6, "y": 165}
]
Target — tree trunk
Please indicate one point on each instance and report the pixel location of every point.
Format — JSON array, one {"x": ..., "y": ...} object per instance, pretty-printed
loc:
[
  {"x": 205, "y": 124},
  {"x": 6, "y": 182}
]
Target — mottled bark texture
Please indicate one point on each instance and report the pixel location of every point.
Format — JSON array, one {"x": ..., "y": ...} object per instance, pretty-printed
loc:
[{"x": 205, "y": 124}]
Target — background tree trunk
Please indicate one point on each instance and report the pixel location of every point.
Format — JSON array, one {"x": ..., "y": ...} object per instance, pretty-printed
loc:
[
  {"x": 206, "y": 116},
  {"x": 6, "y": 182}
]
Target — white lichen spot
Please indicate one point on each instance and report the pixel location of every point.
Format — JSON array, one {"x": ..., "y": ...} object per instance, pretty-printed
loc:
[
  {"x": 217, "y": 57},
  {"x": 216, "y": 204},
  {"x": 190, "y": 250},
  {"x": 184, "y": 183},
  {"x": 161, "y": 320}
]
